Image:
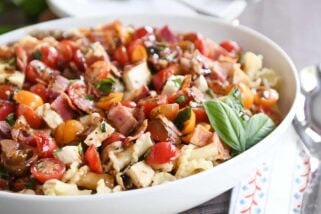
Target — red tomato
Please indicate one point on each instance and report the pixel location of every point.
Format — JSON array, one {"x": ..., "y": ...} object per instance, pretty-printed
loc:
[
  {"x": 151, "y": 102},
  {"x": 116, "y": 136},
  {"x": 40, "y": 90},
  {"x": 79, "y": 60},
  {"x": 160, "y": 78},
  {"x": 129, "y": 104},
  {"x": 200, "y": 115},
  {"x": 6, "y": 91},
  {"x": 32, "y": 118},
  {"x": 230, "y": 46},
  {"x": 97, "y": 71},
  {"x": 132, "y": 45},
  {"x": 65, "y": 50},
  {"x": 142, "y": 31},
  {"x": 92, "y": 156},
  {"x": 6, "y": 108},
  {"x": 48, "y": 168},
  {"x": 167, "y": 34},
  {"x": 121, "y": 55},
  {"x": 34, "y": 70},
  {"x": 201, "y": 45},
  {"x": 49, "y": 56},
  {"x": 162, "y": 152},
  {"x": 45, "y": 145}
]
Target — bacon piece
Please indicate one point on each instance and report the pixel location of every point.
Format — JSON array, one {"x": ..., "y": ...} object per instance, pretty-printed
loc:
[
  {"x": 122, "y": 119},
  {"x": 137, "y": 133},
  {"x": 62, "y": 107},
  {"x": 60, "y": 84},
  {"x": 78, "y": 95},
  {"x": 200, "y": 136},
  {"x": 4, "y": 130}
]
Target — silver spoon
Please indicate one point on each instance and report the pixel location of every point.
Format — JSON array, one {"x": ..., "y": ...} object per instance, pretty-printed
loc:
[{"x": 308, "y": 125}]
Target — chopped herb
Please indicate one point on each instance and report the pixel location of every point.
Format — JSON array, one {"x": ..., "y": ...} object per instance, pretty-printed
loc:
[
  {"x": 37, "y": 55},
  {"x": 182, "y": 116},
  {"x": 80, "y": 149},
  {"x": 177, "y": 82},
  {"x": 210, "y": 93},
  {"x": 4, "y": 174},
  {"x": 147, "y": 153},
  {"x": 12, "y": 61},
  {"x": 90, "y": 97},
  {"x": 39, "y": 165},
  {"x": 180, "y": 99},
  {"x": 11, "y": 119},
  {"x": 106, "y": 85},
  {"x": 6, "y": 80},
  {"x": 103, "y": 127}
]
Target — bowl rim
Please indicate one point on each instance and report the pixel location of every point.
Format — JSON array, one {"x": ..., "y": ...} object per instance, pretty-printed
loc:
[{"x": 68, "y": 21}]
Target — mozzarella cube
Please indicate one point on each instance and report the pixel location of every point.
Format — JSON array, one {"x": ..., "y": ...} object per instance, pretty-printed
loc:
[
  {"x": 141, "y": 174},
  {"x": 137, "y": 76},
  {"x": 143, "y": 143},
  {"x": 173, "y": 84},
  {"x": 201, "y": 84},
  {"x": 68, "y": 154},
  {"x": 55, "y": 187},
  {"x": 52, "y": 118},
  {"x": 17, "y": 78},
  {"x": 100, "y": 133}
]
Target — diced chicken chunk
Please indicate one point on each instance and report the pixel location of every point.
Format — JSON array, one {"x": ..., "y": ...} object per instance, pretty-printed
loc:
[
  {"x": 99, "y": 134},
  {"x": 137, "y": 76},
  {"x": 141, "y": 174},
  {"x": 52, "y": 118},
  {"x": 173, "y": 84},
  {"x": 68, "y": 154},
  {"x": 55, "y": 187}
]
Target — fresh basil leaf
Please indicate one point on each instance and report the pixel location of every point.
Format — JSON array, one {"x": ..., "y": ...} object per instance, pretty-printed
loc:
[
  {"x": 182, "y": 116},
  {"x": 177, "y": 82},
  {"x": 4, "y": 174},
  {"x": 37, "y": 55},
  {"x": 226, "y": 123},
  {"x": 234, "y": 100},
  {"x": 257, "y": 128},
  {"x": 11, "y": 119},
  {"x": 106, "y": 85}
]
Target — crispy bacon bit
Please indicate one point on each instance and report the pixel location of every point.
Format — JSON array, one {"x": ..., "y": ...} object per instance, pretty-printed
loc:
[
  {"x": 62, "y": 107},
  {"x": 137, "y": 133},
  {"x": 78, "y": 95},
  {"x": 122, "y": 119},
  {"x": 60, "y": 84},
  {"x": 162, "y": 129}
]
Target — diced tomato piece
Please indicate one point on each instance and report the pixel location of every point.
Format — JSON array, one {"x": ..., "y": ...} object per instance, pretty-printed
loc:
[
  {"x": 32, "y": 118},
  {"x": 230, "y": 46},
  {"x": 129, "y": 104},
  {"x": 40, "y": 90},
  {"x": 151, "y": 102},
  {"x": 6, "y": 108},
  {"x": 142, "y": 31},
  {"x": 162, "y": 152},
  {"x": 66, "y": 49},
  {"x": 48, "y": 55},
  {"x": 45, "y": 144},
  {"x": 160, "y": 78},
  {"x": 121, "y": 55},
  {"x": 6, "y": 91},
  {"x": 201, "y": 115},
  {"x": 116, "y": 136},
  {"x": 92, "y": 156}
]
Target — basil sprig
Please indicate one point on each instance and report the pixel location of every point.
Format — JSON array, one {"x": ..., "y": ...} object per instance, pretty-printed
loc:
[{"x": 236, "y": 132}]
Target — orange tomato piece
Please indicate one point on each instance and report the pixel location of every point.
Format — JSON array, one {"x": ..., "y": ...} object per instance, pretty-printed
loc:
[
  {"x": 247, "y": 95},
  {"x": 168, "y": 110},
  {"x": 105, "y": 102},
  {"x": 28, "y": 98},
  {"x": 67, "y": 132},
  {"x": 266, "y": 97},
  {"x": 138, "y": 54},
  {"x": 189, "y": 125}
]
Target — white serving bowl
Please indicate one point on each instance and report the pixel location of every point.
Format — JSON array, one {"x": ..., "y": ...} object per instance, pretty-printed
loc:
[{"x": 191, "y": 191}]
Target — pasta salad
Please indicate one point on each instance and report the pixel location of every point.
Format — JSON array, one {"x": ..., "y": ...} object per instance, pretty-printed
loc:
[{"x": 114, "y": 108}]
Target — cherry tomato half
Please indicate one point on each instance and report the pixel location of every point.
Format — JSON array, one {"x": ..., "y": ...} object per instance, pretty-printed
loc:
[
  {"x": 162, "y": 152},
  {"x": 28, "y": 98},
  {"x": 65, "y": 50},
  {"x": 30, "y": 115},
  {"x": 230, "y": 46},
  {"x": 34, "y": 70},
  {"x": 6, "y": 108},
  {"x": 151, "y": 102},
  {"x": 6, "y": 91},
  {"x": 48, "y": 168},
  {"x": 40, "y": 90},
  {"x": 48, "y": 55},
  {"x": 121, "y": 55},
  {"x": 116, "y": 136},
  {"x": 45, "y": 144},
  {"x": 92, "y": 156},
  {"x": 160, "y": 78}
]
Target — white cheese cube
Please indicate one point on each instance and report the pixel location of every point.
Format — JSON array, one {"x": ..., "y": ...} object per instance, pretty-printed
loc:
[
  {"x": 68, "y": 154},
  {"x": 55, "y": 187},
  {"x": 173, "y": 84},
  {"x": 137, "y": 76},
  {"x": 143, "y": 143},
  {"x": 52, "y": 118},
  {"x": 141, "y": 174},
  {"x": 100, "y": 133},
  {"x": 201, "y": 84},
  {"x": 17, "y": 78}
]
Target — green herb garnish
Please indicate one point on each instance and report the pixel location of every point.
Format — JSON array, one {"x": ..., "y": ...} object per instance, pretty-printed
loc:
[
  {"x": 11, "y": 119},
  {"x": 37, "y": 55},
  {"x": 177, "y": 82},
  {"x": 103, "y": 127},
  {"x": 4, "y": 174},
  {"x": 106, "y": 85},
  {"x": 233, "y": 130},
  {"x": 31, "y": 183},
  {"x": 182, "y": 116},
  {"x": 180, "y": 99},
  {"x": 90, "y": 97},
  {"x": 12, "y": 61},
  {"x": 39, "y": 165}
]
